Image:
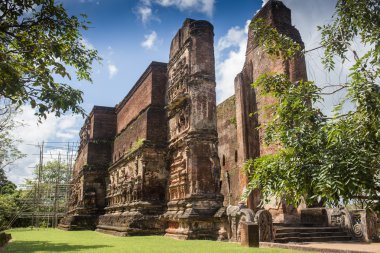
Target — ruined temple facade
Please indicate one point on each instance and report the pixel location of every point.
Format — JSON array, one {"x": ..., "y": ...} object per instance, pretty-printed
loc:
[
  {"x": 246, "y": 108},
  {"x": 166, "y": 159}
]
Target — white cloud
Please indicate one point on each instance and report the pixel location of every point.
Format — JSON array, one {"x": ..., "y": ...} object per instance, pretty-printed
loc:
[
  {"x": 235, "y": 43},
  {"x": 145, "y": 13},
  {"x": 145, "y": 9},
  {"x": 63, "y": 129},
  {"x": 112, "y": 70},
  {"x": 150, "y": 40},
  {"x": 203, "y": 6},
  {"x": 233, "y": 37}
]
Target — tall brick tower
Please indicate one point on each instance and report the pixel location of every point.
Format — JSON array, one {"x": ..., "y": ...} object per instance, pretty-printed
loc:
[
  {"x": 88, "y": 190},
  {"x": 250, "y": 140},
  {"x": 194, "y": 181}
]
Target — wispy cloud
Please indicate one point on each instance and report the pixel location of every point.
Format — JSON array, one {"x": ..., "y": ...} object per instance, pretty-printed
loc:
[
  {"x": 150, "y": 40},
  {"x": 112, "y": 70},
  {"x": 145, "y": 13},
  {"x": 230, "y": 56},
  {"x": 203, "y": 6},
  {"x": 145, "y": 9},
  {"x": 63, "y": 129}
]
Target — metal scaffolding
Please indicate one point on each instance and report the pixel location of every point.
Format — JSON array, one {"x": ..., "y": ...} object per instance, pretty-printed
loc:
[{"x": 46, "y": 201}]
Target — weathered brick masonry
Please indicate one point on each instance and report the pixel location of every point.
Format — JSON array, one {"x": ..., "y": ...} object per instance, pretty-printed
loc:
[
  {"x": 166, "y": 160},
  {"x": 257, "y": 62},
  {"x": 88, "y": 196}
]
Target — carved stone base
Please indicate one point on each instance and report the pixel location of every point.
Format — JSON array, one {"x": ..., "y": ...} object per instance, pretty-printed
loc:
[
  {"x": 140, "y": 219},
  {"x": 194, "y": 228},
  {"x": 79, "y": 222},
  {"x": 198, "y": 217}
]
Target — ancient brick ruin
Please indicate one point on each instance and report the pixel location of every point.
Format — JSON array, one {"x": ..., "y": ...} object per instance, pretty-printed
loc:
[{"x": 167, "y": 160}]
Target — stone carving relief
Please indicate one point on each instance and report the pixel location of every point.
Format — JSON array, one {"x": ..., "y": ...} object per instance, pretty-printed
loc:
[
  {"x": 76, "y": 195},
  {"x": 179, "y": 121},
  {"x": 357, "y": 226},
  {"x": 178, "y": 98},
  {"x": 90, "y": 199},
  {"x": 85, "y": 134},
  {"x": 337, "y": 218},
  {"x": 125, "y": 183},
  {"x": 264, "y": 219},
  {"x": 362, "y": 224},
  {"x": 236, "y": 215},
  {"x": 178, "y": 77},
  {"x": 178, "y": 187}
]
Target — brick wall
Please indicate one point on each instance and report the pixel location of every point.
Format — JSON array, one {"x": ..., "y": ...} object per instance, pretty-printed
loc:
[
  {"x": 141, "y": 114},
  {"x": 135, "y": 131},
  {"x": 148, "y": 90},
  {"x": 228, "y": 151}
]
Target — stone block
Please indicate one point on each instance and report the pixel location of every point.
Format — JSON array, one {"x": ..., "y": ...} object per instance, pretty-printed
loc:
[
  {"x": 314, "y": 217},
  {"x": 249, "y": 234}
]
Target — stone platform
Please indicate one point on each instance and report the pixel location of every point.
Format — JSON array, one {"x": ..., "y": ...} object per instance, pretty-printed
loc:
[
  {"x": 327, "y": 247},
  {"x": 78, "y": 222}
]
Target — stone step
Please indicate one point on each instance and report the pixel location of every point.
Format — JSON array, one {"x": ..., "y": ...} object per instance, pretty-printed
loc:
[
  {"x": 306, "y": 229},
  {"x": 285, "y": 234},
  {"x": 313, "y": 239},
  {"x": 309, "y": 234}
]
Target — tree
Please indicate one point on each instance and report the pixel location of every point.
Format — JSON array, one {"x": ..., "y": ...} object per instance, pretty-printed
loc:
[
  {"x": 10, "y": 200},
  {"x": 8, "y": 145},
  {"x": 9, "y": 206},
  {"x": 324, "y": 159},
  {"x": 38, "y": 40},
  {"x": 6, "y": 187},
  {"x": 49, "y": 185},
  {"x": 52, "y": 172}
]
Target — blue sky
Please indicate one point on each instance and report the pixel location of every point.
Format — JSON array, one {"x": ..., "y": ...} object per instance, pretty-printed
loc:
[
  {"x": 129, "y": 34},
  {"x": 120, "y": 28}
]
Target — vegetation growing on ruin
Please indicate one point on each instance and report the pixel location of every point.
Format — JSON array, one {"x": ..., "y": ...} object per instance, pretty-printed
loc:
[
  {"x": 325, "y": 159},
  {"x": 233, "y": 121},
  {"x": 178, "y": 102},
  {"x": 136, "y": 145}
]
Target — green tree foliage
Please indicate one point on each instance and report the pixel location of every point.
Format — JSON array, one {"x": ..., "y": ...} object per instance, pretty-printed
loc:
[
  {"x": 9, "y": 196},
  {"x": 10, "y": 200},
  {"x": 38, "y": 40},
  {"x": 8, "y": 145},
  {"x": 9, "y": 206},
  {"x": 52, "y": 172},
  {"x": 6, "y": 186},
  {"x": 325, "y": 159}
]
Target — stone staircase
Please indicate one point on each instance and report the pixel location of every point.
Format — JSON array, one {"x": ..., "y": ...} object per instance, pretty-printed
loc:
[{"x": 285, "y": 234}]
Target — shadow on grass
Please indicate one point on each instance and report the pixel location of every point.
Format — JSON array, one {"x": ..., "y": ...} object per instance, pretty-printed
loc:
[{"x": 46, "y": 246}]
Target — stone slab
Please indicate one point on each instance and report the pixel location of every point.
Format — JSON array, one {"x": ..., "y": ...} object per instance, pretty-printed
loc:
[
  {"x": 330, "y": 247},
  {"x": 249, "y": 234}
]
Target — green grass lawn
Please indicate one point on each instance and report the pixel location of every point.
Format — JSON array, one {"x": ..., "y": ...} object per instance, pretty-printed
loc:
[{"x": 54, "y": 240}]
